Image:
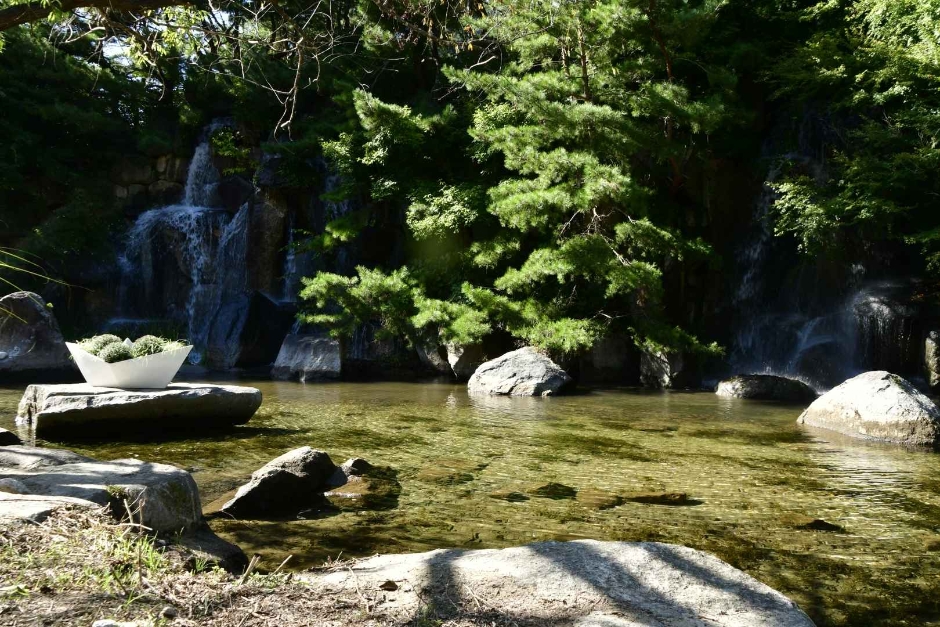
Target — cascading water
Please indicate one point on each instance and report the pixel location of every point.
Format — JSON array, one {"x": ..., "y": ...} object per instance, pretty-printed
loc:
[
  {"x": 187, "y": 263},
  {"x": 807, "y": 329}
]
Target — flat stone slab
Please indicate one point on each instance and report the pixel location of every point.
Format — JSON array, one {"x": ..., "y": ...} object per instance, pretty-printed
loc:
[
  {"x": 160, "y": 496},
  {"x": 35, "y": 508},
  {"x": 86, "y": 411},
  {"x": 584, "y": 582}
]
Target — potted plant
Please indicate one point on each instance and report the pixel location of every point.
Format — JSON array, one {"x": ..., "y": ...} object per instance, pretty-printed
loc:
[{"x": 149, "y": 362}]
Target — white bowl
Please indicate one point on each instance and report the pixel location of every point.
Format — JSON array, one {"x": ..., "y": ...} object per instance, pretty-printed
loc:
[{"x": 152, "y": 371}]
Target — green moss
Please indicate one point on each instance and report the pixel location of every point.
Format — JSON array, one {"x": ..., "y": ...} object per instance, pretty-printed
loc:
[
  {"x": 94, "y": 345},
  {"x": 115, "y": 352},
  {"x": 148, "y": 345}
]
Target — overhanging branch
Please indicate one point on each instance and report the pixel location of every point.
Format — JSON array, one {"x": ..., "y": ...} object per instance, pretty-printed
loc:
[{"x": 33, "y": 11}]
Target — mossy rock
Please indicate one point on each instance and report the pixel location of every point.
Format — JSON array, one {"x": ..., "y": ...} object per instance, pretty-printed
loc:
[
  {"x": 660, "y": 498},
  {"x": 808, "y": 523}
]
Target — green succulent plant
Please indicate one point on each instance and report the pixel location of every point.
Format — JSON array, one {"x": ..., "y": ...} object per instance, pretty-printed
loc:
[
  {"x": 95, "y": 344},
  {"x": 114, "y": 352},
  {"x": 148, "y": 345}
]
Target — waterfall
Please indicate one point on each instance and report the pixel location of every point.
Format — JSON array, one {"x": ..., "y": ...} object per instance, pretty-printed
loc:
[
  {"x": 818, "y": 330},
  {"x": 187, "y": 263}
]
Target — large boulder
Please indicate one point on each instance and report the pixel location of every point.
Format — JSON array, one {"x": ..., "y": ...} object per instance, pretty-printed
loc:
[
  {"x": 765, "y": 387},
  {"x": 30, "y": 340},
  {"x": 308, "y": 357},
  {"x": 88, "y": 411},
  {"x": 583, "y": 583},
  {"x": 877, "y": 405},
  {"x": 283, "y": 486},
  {"x": 8, "y": 438},
  {"x": 160, "y": 496},
  {"x": 523, "y": 372},
  {"x": 464, "y": 359}
]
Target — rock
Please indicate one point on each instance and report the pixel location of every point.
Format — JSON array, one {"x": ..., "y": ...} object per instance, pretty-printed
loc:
[
  {"x": 283, "y": 486},
  {"x": 308, "y": 358},
  {"x": 612, "y": 359},
  {"x": 509, "y": 495},
  {"x": 88, "y": 411},
  {"x": 267, "y": 226},
  {"x": 932, "y": 359},
  {"x": 177, "y": 169},
  {"x": 161, "y": 497},
  {"x": 367, "y": 354},
  {"x": 584, "y": 582},
  {"x": 662, "y": 369},
  {"x": 877, "y": 405},
  {"x": 266, "y": 324},
  {"x": 659, "y": 498},
  {"x": 432, "y": 356},
  {"x": 202, "y": 544},
  {"x": 35, "y": 508},
  {"x": 129, "y": 171},
  {"x": 12, "y": 486},
  {"x": 464, "y": 359},
  {"x": 8, "y": 438},
  {"x": 765, "y": 387},
  {"x": 32, "y": 458},
  {"x": 234, "y": 191},
  {"x": 374, "y": 492},
  {"x": 808, "y": 523},
  {"x": 523, "y": 372},
  {"x": 169, "y": 612},
  {"x": 450, "y": 470},
  {"x": 555, "y": 491},
  {"x": 165, "y": 192},
  {"x": 30, "y": 338},
  {"x": 598, "y": 499}
]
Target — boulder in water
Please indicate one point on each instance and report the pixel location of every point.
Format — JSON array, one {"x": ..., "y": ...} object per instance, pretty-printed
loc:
[
  {"x": 93, "y": 412},
  {"x": 283, "y": 486},
  {"x": 584, "y": 582},
  {"x": 31, "y": 343},
  {"x": 877, "y": 405},
  {"x": 308, "y": 357},
  {"x": 765, "y": 387},
  {"x": 664, "y": 369},
  {"x": 523, "y": 372}
]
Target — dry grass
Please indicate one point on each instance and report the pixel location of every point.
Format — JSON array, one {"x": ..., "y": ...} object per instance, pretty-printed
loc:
[{"x": 79, "y": 566}]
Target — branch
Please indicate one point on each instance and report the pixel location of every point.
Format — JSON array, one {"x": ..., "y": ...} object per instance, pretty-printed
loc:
[{"x": 33, "y": 11}]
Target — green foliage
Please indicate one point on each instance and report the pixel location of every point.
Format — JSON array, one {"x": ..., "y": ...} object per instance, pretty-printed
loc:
[
  {"x": 877, "y": 65},
  {"x": 231, "y": 144},
  {"x": 148, "y": 345},
  {"x": 115, "y": 352}
]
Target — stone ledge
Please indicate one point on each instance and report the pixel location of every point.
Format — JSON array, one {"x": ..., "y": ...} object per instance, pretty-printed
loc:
[{"x": 87, "y": 411}]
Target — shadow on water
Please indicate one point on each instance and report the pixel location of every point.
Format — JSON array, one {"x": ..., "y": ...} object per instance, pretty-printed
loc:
[{"x": 156, "y": 435}]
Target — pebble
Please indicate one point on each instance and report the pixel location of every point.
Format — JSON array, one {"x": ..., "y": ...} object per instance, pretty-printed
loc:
[{"x": 169, "y": 612}]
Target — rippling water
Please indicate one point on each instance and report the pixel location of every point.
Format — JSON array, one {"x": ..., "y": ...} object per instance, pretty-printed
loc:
[{"x": 749, "y": 469}]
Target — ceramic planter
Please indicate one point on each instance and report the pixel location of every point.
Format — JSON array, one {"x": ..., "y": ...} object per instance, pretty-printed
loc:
[{"x": 152, "y": 371}]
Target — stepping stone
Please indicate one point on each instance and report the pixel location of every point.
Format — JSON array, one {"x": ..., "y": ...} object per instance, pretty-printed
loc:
[{"x": 85, "y": 411}]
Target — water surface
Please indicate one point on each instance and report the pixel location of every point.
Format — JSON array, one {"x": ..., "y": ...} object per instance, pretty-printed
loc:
[{"x": 752, "y": 476}]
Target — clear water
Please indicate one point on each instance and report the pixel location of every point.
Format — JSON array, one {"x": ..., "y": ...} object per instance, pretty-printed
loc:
[{"x": 746, "y": 464}]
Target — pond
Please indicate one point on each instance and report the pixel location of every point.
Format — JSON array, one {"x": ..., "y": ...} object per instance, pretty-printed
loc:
[{"x": 753, "y": 477}]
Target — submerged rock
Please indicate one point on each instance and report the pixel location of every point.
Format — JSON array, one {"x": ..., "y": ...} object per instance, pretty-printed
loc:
[
  {"x": 523, "y": 372},
  {"x": 584, "y": 582},
  {"x": 31, "y": 343},
  {"x": 598, "y": 499},
  {"x": 88, "y": 411},
  {"x": 877, "y": 405},
  {"x": 358, "y": 485},
  {"x": 159, "y": 496},
  {"x": 307, "y": 358},
  {"x": 660, "y": 498},
  {"x": 765, "y": 387},
  {"x": 556, "y": 491},
  {"x": 283, "y": 486},
  {"x": 509, "y": 495},
  {"x": 808, "y": 523}
]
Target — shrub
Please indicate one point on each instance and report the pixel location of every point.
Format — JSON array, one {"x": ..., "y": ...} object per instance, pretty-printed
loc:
[
  {"x": 95, "y": 344},
  {"x": 148, "y": 345},
  {"x": 114, "y": 352}
]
